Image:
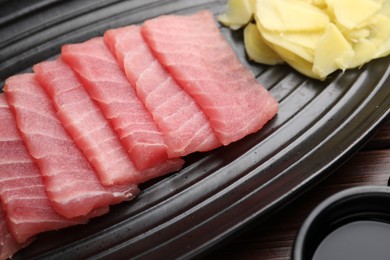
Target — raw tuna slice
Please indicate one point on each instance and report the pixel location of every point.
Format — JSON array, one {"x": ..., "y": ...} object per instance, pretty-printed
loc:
[
  {"x": 85, "y": 122},
  {"x": 108, "y": 86},
  {"x": 8, "y": 245},
  {"x": 22, "y": 192},
  {"x": 193, "y": 50},
  {"x": 70, "y": 181},
  {"x": 184, "y": 126}
]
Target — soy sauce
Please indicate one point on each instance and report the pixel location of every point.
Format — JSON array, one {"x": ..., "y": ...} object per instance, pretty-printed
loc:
[{"x": 359, "y": 240}]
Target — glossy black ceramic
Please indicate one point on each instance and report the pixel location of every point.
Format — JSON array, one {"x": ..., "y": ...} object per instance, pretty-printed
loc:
[{"x": 354, "y": 205}]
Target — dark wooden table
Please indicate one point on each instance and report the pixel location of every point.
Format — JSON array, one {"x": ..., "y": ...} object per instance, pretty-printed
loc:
[{"x": 274, "y": 238}]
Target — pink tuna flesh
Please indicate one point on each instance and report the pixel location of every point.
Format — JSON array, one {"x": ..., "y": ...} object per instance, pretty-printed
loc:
[
  {"x": 108, "y": 86},
  {"x": 184, "y": 126},
  {"x": 85, "y": 122},
  {"x": 8, "y": 245},
  {"x": 193, "y": 50},
  {"x": 22, "y": 191},
  {"x": 70, "y": 181}
]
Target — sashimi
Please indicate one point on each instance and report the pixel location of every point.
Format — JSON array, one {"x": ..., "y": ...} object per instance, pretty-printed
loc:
[
  {"x": 108, "y": 86},
  {"x": 8, "y": 245},
  {"x": 22, "y": 191},
  {"x": 193, "y": 50},
  {"x": 70, "y": 181},
  {"x": 85, "y": 122},
  {"x": 184, "y": 126}
]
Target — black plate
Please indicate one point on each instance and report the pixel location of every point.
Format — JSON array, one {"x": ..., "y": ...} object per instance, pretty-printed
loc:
[
  {"x": 319, "y": 126},
  {"x": 364, "y": 203}
]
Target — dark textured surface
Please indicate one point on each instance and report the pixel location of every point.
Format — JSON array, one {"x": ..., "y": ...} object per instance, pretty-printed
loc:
[
  {"x": 274, "y": 237},
  {"x": 319, "y": 126}
]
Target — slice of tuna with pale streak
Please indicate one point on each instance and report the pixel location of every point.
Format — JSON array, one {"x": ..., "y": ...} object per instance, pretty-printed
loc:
[
  {"x": 182, "y": 123},
  {"x": 22, "y": 191},
  {"x": 86, "y": 124},
  {"x": 107, "y": 84},
  {"x": 193, "y": 50},
  {"x": 90, "y": 129},
  {"x": 70, "y": 181},
  {"x": 8, "y": 245}
]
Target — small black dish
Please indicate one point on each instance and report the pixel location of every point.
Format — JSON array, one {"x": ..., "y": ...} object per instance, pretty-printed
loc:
[{"x": 352, "y": 224}]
